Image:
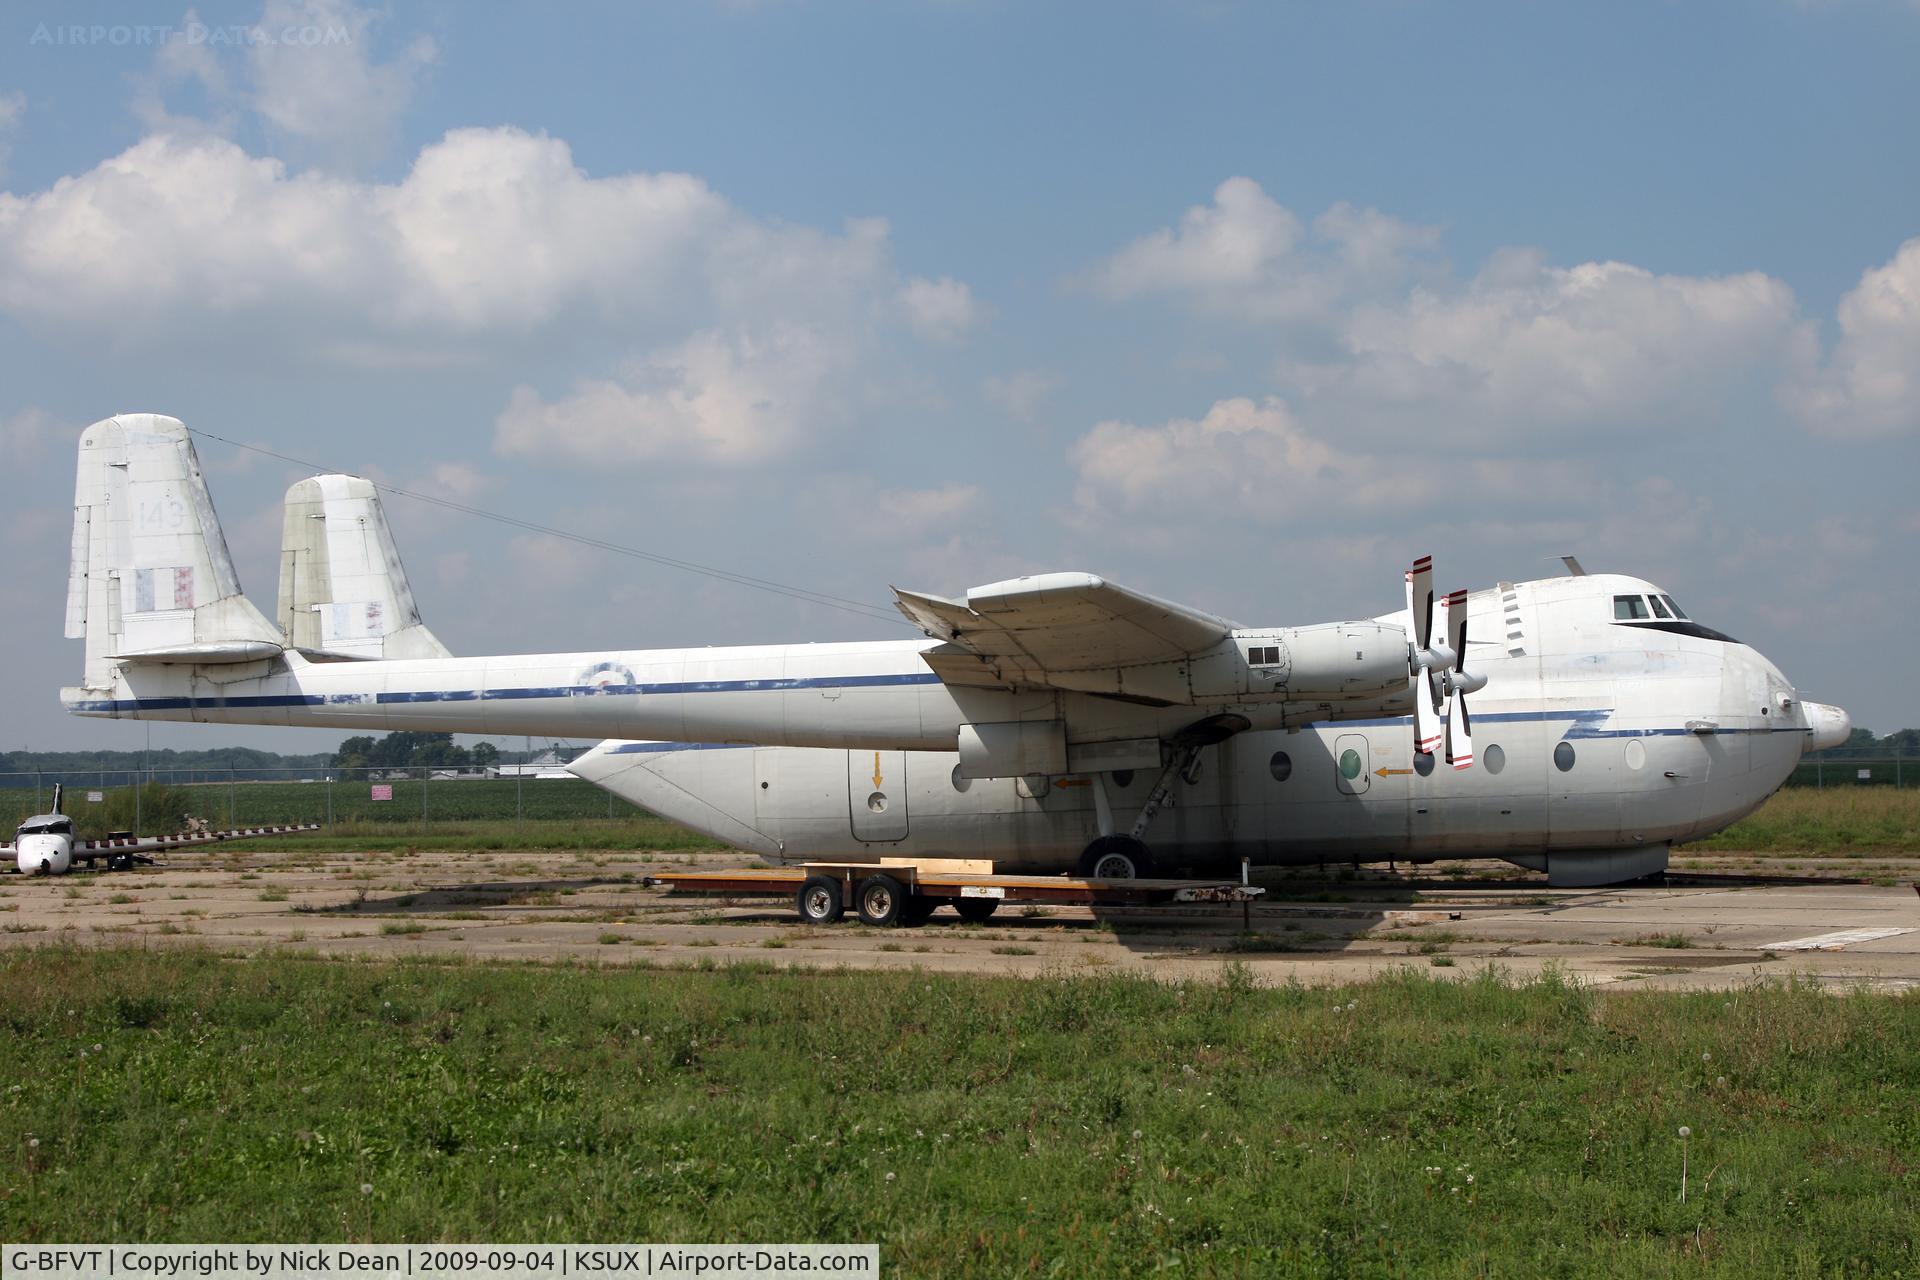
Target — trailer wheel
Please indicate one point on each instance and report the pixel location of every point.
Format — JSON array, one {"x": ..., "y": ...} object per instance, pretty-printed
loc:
[
  {"x": 120, "y": 862},
  {"x": 880, "y": 899},
  {"x": 976, "y": 910},
  {"x": 819, "y": 900},
  {"x": 1116, "y": 858},
  {"x": 916, "y": 911}
]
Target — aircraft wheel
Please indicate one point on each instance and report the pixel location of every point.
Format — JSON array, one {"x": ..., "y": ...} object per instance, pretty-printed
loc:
[
  {"x": 915, "y": 911},
  {"x": 1116, "y": 858},
  {"x": 46, "y": 866},
  {"x": 976, "y": 910},
  {"x": 119, "y": 862},
  {"x": 880, "y": 900},
  {"x": 820, "y": 901}
]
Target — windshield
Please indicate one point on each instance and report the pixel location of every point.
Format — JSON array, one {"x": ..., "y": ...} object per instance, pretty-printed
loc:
[{"x": 56, "y": 826}]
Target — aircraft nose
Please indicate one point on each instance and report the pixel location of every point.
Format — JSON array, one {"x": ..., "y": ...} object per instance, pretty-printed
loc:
[{"x": 1831, "y": 726}]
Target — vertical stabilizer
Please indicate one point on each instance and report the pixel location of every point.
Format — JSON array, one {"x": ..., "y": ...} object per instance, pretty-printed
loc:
[
  {"x": 343, "y": 591},
  {"x": 151, "y": 580}
]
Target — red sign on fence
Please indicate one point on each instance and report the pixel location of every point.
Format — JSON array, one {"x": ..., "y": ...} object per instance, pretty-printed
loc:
[{"x": 383, "y": 791}]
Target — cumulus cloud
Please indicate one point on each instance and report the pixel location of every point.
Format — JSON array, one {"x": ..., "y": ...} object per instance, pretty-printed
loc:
[
  {"x": 940, "y": 310},
  {"x": 1246, "y": 255},
  {"x": 1869, "y": 385},
  {"x": 1244, "y": 457},
  {"x": 324, "y": 93},
  {"x": 1526, "y": 346},
  {"x": 1020, "y": 394},
  {"x": 731, "y": 400},
  {"x": 304, "y": 70},
  {"x": 913, "y": 511},
  {"x": 491, "y": 232}
]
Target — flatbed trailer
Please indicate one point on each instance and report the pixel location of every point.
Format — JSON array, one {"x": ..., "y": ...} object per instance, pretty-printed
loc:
[{"x": 906, "y": 894}]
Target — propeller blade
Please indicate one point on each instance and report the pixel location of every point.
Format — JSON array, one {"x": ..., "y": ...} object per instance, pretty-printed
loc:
[
  {"x": 1426, "y": 713},
  {"x": 1459, "y": 732},
  {"x": 1459, "y": 724},
  {"x": 1422, "y": 684},
  {"x": 1420, "y": 602},
  {"x": 1457, "y": 629}
]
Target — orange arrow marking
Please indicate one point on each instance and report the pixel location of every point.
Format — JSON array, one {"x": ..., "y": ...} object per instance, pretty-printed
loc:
[
  {"x": 876, "y": 771},
  {"x": 1388, "y": 773}
]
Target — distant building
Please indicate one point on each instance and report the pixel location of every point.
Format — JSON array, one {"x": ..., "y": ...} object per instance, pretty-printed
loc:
[{"x": 551, "y": 763}]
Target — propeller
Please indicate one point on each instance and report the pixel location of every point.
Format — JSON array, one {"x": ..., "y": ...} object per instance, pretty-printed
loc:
[{"x": 1441, "y": 667}]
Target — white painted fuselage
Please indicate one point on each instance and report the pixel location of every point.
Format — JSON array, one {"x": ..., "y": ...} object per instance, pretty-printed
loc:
[{"x": 1599, "y": 743}]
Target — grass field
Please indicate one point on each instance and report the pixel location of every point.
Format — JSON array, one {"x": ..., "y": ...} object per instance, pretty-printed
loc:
[
  {"x": 975, "y": 1127},
  {"x": 1837, "y": 821}
]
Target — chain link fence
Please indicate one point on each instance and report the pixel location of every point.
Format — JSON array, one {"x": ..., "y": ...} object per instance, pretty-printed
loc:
[
  {"x": 225, "y": 799},
  {"x": 1863, "y": 771}
]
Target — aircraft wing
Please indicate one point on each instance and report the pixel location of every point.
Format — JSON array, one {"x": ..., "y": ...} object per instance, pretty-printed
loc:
[{"x": 1057, "y": 630}]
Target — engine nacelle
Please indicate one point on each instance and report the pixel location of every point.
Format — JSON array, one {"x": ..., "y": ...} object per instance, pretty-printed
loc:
[{"x": 1325, "y": 662}]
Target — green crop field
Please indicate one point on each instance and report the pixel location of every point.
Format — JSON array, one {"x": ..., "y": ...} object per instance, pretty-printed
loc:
[{"x": 1084, "y": 1126}]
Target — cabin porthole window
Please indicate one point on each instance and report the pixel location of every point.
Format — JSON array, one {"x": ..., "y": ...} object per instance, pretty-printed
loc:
[
  {"x": 1494, "y": 758},
  {"x": 1423, "y": 763},
  {"x": 1563, "y": 756},
  {"x": 1123, "y": 777},
  {"x": 1280, "y": 766},
  {"x": 1636, "y": 754},
  {"x": 1350, "y": 764},
  {"x": 960, "y": 781}
]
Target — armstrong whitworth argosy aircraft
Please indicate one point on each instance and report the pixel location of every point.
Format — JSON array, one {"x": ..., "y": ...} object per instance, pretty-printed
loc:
[{"x": 1049, "y": 722}]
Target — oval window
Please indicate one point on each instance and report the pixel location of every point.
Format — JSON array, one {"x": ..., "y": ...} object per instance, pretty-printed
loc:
[
  {"x": 960, "y": 781},
  {"x": 1281, "y": 766},
  {"x": 1563, "y": 756},
  {"x": 1123, "y": 777},
  {"x": 1423, "y": 763},
  {"x": 877, "y": 802},
  {"x": 1494, "y": 758},
  {"x": 1349, "y": 764},
  {"x": 1636, "y": 754}
]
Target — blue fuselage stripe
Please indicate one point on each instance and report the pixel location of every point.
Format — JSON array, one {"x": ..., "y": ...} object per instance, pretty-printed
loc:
[{"x": 417, "y": 696}]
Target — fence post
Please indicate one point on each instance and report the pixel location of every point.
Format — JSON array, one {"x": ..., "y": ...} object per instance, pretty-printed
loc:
[
  {"x": 426, "y": 771},
  {"x": 232, "y": 821},
  {"x": 329, "y": 799},
  {"x": 136, "y": 805}
]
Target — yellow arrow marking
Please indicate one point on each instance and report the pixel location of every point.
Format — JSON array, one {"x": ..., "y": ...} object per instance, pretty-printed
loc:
[
  {"x": 1388, "y": 773},
  {"x": 876, "y": 771}
]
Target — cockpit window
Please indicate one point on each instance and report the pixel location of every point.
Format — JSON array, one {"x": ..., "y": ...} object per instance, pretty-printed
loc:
[
  {"x": 1660, "y": 609},
  {"x": 1678, "y": 612},
  {"x": 1629, "y": 608},
  {"x": 47, "y": 826}
]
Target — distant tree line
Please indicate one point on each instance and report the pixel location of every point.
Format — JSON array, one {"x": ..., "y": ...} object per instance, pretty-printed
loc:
[
  {"x": 404, "y": 749},
  {"x": 241, "y": 760}
]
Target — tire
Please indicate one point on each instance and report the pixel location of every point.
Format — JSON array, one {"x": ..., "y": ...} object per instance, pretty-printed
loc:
[
  {"x": 916, "y": 911},
  {"x": 976, "y": 910},
  {"x": 880, "y": 900},
  {"x": 1116, "y": 858},
  {"x": 820, "y": 901}
]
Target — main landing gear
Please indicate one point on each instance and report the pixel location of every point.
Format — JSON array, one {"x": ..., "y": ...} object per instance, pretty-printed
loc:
[{"x": 1116, "y": 855}]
